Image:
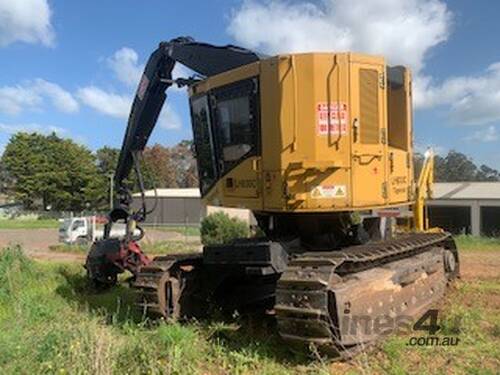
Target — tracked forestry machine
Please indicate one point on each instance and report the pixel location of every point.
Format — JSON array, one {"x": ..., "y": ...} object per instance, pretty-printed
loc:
[{"x": 319, "y": 147}]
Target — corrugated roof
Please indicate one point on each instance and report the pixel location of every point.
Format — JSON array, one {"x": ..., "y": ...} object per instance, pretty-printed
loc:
[
  {"x": 173, "y": 193},
  {"x": 466, "y": 190}
]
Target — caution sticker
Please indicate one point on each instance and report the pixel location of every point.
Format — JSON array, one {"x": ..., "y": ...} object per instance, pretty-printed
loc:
[
  {"x": 331, "y": 118},
  {"x": 329, "y": 191}
]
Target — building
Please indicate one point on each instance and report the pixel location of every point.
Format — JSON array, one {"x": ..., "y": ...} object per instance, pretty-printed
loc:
[
  {"x": 180, "y": 207},
  {"x": 172, "y": 206},
  {"x": 466, "y": 207},
  {"x": 459, "y": 207}
]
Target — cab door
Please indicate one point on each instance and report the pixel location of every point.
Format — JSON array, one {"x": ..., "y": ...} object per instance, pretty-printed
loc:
[{"x": 368, "y": 137}]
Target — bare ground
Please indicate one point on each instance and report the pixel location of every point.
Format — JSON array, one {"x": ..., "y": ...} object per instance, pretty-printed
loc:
[
  {"x": 36, "y": 242},
  {"x": 478, "y": 265}
]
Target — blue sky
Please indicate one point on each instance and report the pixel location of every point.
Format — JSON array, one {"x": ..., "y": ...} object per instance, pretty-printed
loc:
[{"x": 72, "y": 66}]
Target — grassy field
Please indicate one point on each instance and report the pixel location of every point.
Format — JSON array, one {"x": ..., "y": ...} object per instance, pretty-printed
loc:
[
  {"x": 51, "y": 323},
  {"x": 477, "y": 243},
  {"x": 157, "y": 248},
  {"x": 28, "y": 223},
  {"x": 185, "y": 231}
]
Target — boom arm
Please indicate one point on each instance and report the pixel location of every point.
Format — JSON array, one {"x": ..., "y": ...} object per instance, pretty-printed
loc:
[{"x": 204, "y": 59}]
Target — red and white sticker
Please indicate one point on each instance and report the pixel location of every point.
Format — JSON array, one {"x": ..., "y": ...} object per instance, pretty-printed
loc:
[
  {"x": 331, "y": 118},
  {"x": 329, "y": 191}
]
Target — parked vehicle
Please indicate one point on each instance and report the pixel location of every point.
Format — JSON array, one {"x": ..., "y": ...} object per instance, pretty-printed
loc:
[{"x": 86, "y": 229}]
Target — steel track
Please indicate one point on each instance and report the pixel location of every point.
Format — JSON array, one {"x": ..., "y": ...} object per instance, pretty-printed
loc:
[{"x": 304, "y": 308}]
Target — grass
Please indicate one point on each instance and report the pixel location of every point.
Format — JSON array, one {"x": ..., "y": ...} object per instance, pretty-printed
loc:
[
  {"x": 28, "y": 223},
  {"x": 185, "y": 231},
  {"x": 466, "y": 242},
  {"x": 52, "y": 323},
  {"x": 157, "y": 248}
]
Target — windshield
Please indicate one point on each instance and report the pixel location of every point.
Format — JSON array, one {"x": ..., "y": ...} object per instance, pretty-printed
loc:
[
  {"x": 202, "y": 135},
  {"x": 64, "y": 224}
]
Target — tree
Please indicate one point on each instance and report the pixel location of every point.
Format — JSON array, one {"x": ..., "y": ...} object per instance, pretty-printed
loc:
[
  {"x": 48, "y": 172},
  {"x": 107, "y": 158},
  {"x": 457, "y": 167},
  {"x": 159, "y": 168},
  {"x": 185, "y": 163},
  {"x": 486, "y": 173}
]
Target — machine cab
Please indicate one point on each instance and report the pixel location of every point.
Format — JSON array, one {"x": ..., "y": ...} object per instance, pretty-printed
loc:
[{"x": 312, "y": 132}]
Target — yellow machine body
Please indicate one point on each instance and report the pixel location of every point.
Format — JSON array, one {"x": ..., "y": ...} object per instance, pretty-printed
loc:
[
  {"x": 334, "y": 133},
  {"x": 315, "y": 144}
]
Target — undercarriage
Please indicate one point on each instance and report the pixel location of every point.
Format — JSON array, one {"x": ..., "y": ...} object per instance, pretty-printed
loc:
[{"x": 337, "y": 301}]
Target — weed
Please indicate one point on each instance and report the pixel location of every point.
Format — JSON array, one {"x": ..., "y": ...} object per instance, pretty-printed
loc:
[{"x": 52, "y": 322}]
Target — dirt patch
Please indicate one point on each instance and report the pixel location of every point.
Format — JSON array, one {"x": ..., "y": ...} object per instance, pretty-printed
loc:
[
  {"x": 479, "y": 265},
  {"x": 42, "y": 239},
  {"x": 29, "y": 239}
]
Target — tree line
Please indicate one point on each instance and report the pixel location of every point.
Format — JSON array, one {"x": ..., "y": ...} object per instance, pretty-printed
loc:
[
  {"x": 457, "y": 167},
  {"x": 47, "y": 172}
]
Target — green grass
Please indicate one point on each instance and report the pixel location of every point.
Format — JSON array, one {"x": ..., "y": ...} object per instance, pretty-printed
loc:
[
  {"x": 185, "y": 231},
  {"x": 465, "y": 242},
  {"x": 157, "y": 248},
  {"x": 52, "y": 323},
  {"x": 28, "y": 223}
]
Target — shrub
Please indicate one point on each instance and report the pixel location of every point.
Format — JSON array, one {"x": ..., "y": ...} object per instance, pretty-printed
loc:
[{"x": 219, "y": 228}]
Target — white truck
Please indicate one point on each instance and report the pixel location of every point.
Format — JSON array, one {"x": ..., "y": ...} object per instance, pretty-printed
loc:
[{"x": 86, "y": 229}]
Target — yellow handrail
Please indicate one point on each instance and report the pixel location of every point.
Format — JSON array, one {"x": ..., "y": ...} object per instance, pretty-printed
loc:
[{"x": 423, "y": 192}]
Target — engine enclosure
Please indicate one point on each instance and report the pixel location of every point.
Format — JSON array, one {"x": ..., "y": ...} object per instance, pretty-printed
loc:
[{"x": 314, "y": 133}]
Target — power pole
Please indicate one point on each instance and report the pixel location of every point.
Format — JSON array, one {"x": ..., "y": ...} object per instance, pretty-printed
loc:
[{"x": 111, "y": 189}]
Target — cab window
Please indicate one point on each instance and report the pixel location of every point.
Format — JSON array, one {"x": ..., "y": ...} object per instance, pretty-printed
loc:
[
  {"x": 202, "y": 136},
  {"x": 236, "y": 126}
]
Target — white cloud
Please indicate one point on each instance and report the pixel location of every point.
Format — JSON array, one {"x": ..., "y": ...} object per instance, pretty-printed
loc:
[
  {"x": 31, "y": 95},
  {"x": 127, "y": 69},
  {"x": 118, "y": 105},
  {"x": 125, "y": 64},
  {"x": 25, "y": 21},
  {"x": 13, "y": 99},
  {"x": 31, "y": 128},
  {"x": 471, "y": 100},
  {"x": 61, "y": 99},
  {"x": 169, "y": 119},
  {"x": 488, "y": 134},
  {"x": 108, "y": 103},
  {"x": 401, "y": 30}
]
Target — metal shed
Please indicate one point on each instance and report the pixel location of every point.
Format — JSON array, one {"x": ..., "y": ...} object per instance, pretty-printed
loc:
[
  {"x": 466, "y": 207},
  {"x": 174, "y": 206}
]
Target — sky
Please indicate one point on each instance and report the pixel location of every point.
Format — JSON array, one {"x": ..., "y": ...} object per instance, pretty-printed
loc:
[{"x": 73, "y": 66}]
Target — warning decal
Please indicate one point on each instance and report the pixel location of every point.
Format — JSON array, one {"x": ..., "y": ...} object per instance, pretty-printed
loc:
[
  {"x": 329, "y": 191},
  {"x": 331, "y": 118}
]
